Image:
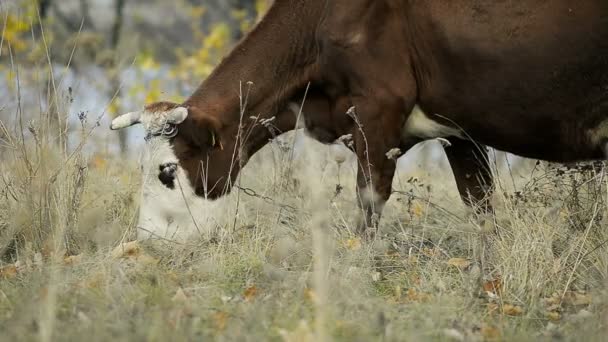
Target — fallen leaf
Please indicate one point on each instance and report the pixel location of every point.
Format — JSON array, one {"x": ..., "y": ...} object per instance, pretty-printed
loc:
[
  {"x": 353, "y": 244},
  {"x": 220, "y": 320},
  {"x": 459, "y": 263},
  {"x": 490, "y": 332},
  {"x": 417, "y": 210},
  {"x": 311, "y": 295},
  {"x": 93, "y": 281},
  {"x": 512, "y": 310},
  {"x": 576, "y": 298},
  {"x": 126, "y": 250},
  {"x": 431, "y": 252},
  {"x": 133, "y": 251},
  {"x": 493, "y": 286},
  {"x": 412, "y": 260},
  {"x": 555, "y": 299},
  {"x": 553, "y": 316},
  {"x": 8, "y": 272},
  {"x": 416, "y": 296},
  {"x": 250, "y": 293},
  {"x": 72, "y": 259}
]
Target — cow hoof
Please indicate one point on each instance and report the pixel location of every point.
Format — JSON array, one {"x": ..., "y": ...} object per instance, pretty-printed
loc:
[{"x": 167, "y": 174}]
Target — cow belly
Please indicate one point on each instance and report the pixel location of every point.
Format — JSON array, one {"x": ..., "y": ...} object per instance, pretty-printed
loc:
[{"x": 419, "y": 125}]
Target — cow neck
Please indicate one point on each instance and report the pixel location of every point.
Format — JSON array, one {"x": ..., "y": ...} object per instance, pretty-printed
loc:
[{"x": 278, "y": 57}]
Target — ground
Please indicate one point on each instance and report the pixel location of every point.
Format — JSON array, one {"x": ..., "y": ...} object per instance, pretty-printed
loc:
[{"x": 288, "y": 268}]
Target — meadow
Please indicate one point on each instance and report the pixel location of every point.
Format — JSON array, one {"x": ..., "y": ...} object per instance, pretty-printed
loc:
[
  {"x": 285, "y": 266},
  {"x": 281, "y": 262}
]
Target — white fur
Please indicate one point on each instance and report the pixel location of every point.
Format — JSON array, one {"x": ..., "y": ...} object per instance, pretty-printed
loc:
[
  {"x": 418, "y": 124},
  {"x": 174, "y": 214}
]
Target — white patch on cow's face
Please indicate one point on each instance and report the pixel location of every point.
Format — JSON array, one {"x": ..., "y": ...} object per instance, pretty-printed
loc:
[
  {"x": 155, "y": 121},
  {"x": 176, "y": 213},
  {"x": 419, "y": 125}
]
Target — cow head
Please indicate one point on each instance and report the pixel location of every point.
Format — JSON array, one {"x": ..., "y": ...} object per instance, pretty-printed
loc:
[{"x": 185, "y": 136}]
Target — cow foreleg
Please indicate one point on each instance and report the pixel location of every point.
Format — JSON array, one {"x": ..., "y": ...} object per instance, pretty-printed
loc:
[
  {"x": 469, "y": 162},
  {"x": 374, "y": 136}
]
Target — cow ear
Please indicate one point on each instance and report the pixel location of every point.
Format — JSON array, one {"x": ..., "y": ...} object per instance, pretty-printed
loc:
[
  {"x": 202, "y": 129},
  {"x": 177, "y": 115}
]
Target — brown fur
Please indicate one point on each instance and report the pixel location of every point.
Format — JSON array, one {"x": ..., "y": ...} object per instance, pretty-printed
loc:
[
  {"x": 159, "y": 107},
  {"x": 529, "y": 77}
]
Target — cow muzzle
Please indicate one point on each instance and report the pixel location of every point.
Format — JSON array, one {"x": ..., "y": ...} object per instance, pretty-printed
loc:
[{"x": 167, "y": 174}]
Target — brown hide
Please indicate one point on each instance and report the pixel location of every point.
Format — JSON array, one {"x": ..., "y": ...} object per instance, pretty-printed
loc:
[{"x": 528, "y": 77}]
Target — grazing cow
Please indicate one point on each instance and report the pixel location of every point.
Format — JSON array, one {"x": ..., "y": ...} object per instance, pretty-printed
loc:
[
  {"x": 528, "y": 77},
  {"x": 169, "y": 207}
]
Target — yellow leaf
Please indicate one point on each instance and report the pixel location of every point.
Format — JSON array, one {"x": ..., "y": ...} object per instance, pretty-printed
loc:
[
  {"x": 72, "y": 259},
  {"x": 99, "y": 161},
  {"x": 415, "y": 296},
  {"x": 353, "y": 244},
  {"x": 431, "y": 252},
  {"x": 126, "y": 250},
  {"x": 220, "y": 319},
  {"x": 553, "y": 316},
  {"x": 92, "y": 282},
  {"x": 132, "y": 251},
  {"x": 493, "y": 286},
  {"x": 8, "y": 272},
  {"x": 250, "y": 293},
  {"x": 512, "y": 310},
  {"x": 490, "y": 332},
  {"x": 417, "y": 209},
  {"x": 310, "y": 295},
  {"x": 576, "y": 298},
  {"x": 460, "y": 263}
]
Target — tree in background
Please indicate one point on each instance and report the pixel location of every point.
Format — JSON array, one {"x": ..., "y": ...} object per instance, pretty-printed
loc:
[{"x": 86, "y": 35}]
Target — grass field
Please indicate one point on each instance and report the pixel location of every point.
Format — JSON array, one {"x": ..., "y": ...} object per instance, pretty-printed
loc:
[{"x": 285, "y": 266}]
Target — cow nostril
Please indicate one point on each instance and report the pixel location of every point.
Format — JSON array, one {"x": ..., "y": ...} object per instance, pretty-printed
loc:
[
  {"x": 167, "y": 174},
  {"x": 167, "y": 167}
]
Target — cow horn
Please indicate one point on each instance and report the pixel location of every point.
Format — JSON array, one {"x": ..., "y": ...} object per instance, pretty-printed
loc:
[{"x": 125, "y": 120}]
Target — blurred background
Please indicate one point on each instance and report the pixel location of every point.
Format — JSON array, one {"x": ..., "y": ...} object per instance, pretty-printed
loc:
[{"x": 79, "y": 63}]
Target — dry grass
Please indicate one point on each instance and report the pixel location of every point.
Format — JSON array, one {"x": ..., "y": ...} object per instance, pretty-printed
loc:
[{"x": 288, "y": 267}]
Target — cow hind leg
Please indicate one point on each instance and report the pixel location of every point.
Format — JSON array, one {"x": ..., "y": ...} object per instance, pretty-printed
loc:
[{"x": 469, "y": 162}]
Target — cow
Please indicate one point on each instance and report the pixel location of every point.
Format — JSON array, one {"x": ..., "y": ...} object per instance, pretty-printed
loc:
[
  {"x": 527, "y": 77},
  {"x": 169, "y": 208}
]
